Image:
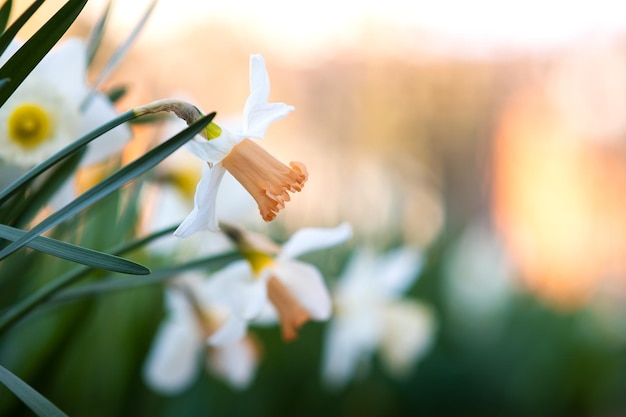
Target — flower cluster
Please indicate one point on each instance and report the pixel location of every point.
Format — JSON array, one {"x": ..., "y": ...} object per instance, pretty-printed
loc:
[{"x": 210, "y": 316}]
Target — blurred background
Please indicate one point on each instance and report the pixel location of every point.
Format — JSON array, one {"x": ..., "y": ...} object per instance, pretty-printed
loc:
[{"x": 490, "y": 135}]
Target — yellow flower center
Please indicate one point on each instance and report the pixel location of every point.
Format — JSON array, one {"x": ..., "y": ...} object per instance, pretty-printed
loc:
[
  {"x": 29, "y": 125},
  {"x": 257, "y": 260}
]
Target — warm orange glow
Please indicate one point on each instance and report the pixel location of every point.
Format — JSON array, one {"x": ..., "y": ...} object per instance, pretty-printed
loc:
[
  {"x": 560, "y": 202},
  {"x": 292, "y": 315},
  {"x": 266, "y": 178}
]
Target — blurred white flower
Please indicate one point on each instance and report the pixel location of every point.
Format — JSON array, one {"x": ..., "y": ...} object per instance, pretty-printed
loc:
[
  {"x": 271, "y": 275},
  {"x": 44, "y": 114},
  {"x": 370, "y": 315},
  {"x": 262, "y": 175},
  {"x": 478, "y": 283},
  {"x": 199, "y": 322}
]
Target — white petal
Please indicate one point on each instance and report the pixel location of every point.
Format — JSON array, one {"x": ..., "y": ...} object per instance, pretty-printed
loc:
[
  {"x": 312, "y": 239},
  {"x": 343, "y": 353},
  {"x": 231, "y": 331},
  {"x": 258, "y": 114},
  {"x": 398, "y": 270},
  {"x": 236, "y": 363},
  {"x": 214, "y": 150},
  {"x": 306, "y": 284},
  {"x": 236, "y": 286},
  {"x": 358, "y": 273},
  {"x": 202, "y": 217},
  {"x": 99, "y": 111},
  {"x": 173, "y": 361},
  {"x": 408, "y": 335},
  {"x": 66, "y": 66}
]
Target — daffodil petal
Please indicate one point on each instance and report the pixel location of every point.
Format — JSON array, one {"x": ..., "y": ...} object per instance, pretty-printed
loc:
[
  {"x": 306, "y": 284},
  {"x": 312, "y": 239},
  {"x": 231, "y": 331},
  {"x": 236, "y": 363},
  {"x": 258, "y": 114},
  {"x": 99, "y": 111},
  {"x": 202, "y": 217},
  {"x": 342, "y": 354},
  {"x": 66, "y": 67},
  {"x": 407, "y": 336},
  {"x": 398, "y": 270},
  {"x": 171, "y": 365},
  {"x": 238, "y": 287},
  {"x": 214, "y": 150}
]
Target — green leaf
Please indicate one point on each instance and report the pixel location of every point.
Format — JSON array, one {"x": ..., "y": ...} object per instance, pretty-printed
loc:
[
  {"x": 112, "y": 183},
  {"x": 95, "y": 37},
  {"x": 74, "y": 253},
  {"x": 25, "y": 306},
  {"x": 43, "y": 166},
  {"x": 32, "y": 52},
  {"x": 116, "y": 93},
  {"x": 120, "y": 52},
  {"x": 211, "y": 263},
  {"x": 28, "y": 207},
  {"x": 5, "y": 13},
  {"x": 34, "y": 400},
  {"x": 10, "y": 33}
]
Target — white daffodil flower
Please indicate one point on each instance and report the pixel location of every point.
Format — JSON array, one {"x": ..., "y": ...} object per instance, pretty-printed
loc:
[
  {"x": 46, "y": 111},
  {"x": 370, "y": 315},
  {"x": 262, "y": 175},
  {"x": 199, "y": 321},
  {"x": 271, "y": 276}
]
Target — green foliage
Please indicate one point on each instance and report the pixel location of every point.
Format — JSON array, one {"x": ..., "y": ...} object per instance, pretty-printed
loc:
[
  {"x": 5, "y": 12},
  {"x": 31, "y": 53}
]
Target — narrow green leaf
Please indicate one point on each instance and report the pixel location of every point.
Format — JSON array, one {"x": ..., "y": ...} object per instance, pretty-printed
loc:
[
  {"x": 43, "y": 166},
  {"x": 28, "y": 207},
  {"x": 95, "y": 37},
  {"x": 208, "y": 264},
  {"x": 34, "y": 400},
  {"x": 116, "y": 93},
  {"x": 5, "y": 13},
  {"x": 120, "y": 52},
  {"x": 32, "y": 52},
  {"x": 112, "y": 183},
  {"x": 9, "y": 34},
  {"x": 25, "y": 306},
  {"x": 74, "y": 253}
]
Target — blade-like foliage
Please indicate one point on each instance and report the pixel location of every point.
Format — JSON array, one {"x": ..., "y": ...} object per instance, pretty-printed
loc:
[
  {"x": 25, "y": 306},
  {"x": 5, "y": 13},
  {"x": 76, "y": 253},
  {"x": 34, "y": 400},
  {"x": 120, "y": 52},
  {"x": 95, "y": 37},
  {"x": 28, "y": 207},
  {"x": 211, "y": 263},
  {"x": 112, "y": 183},
  {"x": 32, "y": 52},
  {"x": 11, "y": 31}
]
